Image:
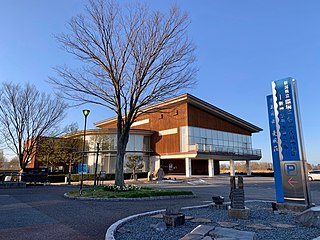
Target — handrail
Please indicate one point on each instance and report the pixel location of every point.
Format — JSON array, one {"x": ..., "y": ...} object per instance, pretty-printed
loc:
[{"x": 223, "y": 149}]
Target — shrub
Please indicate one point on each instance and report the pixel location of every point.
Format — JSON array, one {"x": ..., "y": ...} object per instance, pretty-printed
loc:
[{"x": 114, "y": 188}]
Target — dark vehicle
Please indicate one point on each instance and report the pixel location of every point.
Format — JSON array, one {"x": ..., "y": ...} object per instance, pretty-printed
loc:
[{"x": 35, "y": 175}]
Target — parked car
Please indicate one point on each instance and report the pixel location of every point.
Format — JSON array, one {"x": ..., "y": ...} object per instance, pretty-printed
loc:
[{"x": 314, "y": 175}]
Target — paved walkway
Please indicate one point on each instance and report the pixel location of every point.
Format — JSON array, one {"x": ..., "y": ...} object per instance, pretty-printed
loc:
[{"x": 41, "y": 212}]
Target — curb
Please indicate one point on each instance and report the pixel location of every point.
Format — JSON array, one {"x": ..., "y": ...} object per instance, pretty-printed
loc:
[
  {"x": 110, "y": 231},
  {"x": 66, "y": 195}
]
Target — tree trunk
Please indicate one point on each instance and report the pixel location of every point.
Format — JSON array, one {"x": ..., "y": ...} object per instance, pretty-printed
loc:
[
  {"x": 122, "y": 140},
  {"x": 22, "y": 163}
]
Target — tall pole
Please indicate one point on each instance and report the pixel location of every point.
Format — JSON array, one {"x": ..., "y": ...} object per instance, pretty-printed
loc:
[
  {"x": 85, "y": 113},
  {"x": 96, "y": 166}
]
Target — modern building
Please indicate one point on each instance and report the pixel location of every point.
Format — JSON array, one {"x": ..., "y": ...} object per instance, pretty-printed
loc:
[
  {"x": 183, "y": 135},
  {"x": 187, "y": 136}
]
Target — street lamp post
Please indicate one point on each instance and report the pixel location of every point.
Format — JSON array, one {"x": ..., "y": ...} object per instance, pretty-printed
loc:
[
  {"x": 96, "y": 165},
  {"x": 85, "y": 113}
]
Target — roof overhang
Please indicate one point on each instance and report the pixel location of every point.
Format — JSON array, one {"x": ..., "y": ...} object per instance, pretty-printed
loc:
[
  {"x": 105, "y": 131},
  {"x": 195, "y": 102}
]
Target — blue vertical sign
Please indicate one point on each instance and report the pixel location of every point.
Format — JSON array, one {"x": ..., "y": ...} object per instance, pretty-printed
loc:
[
  {"x": 275, "y": 150},
  {"x": 80, "y": 168},
  {"x": 289, "y": 145}
]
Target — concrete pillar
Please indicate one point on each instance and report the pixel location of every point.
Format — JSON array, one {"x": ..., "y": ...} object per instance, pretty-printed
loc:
[
  {"x": 188, "y": 167},
  {"x": 232, "y": 168},
  {"x": 211, "y": 167},
  {"x": 156, "y": 163},
  {"x": 248, "y": 167}
]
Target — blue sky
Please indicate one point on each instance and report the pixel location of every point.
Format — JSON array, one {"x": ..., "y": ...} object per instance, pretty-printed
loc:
[{"x": 242, "y": 46}]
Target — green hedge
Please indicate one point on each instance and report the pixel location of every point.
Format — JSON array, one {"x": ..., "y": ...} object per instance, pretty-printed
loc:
[{"x": 55, "y": 178}]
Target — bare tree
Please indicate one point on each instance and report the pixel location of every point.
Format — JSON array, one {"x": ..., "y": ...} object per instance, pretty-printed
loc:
[
  {"x": 132, "y": 57},
  {"x": 2, "y": 160},
  {"x": 25, "y": 115}
]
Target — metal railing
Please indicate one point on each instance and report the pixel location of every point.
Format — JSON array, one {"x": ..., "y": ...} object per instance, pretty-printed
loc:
[{"x": 223, "y": 149}]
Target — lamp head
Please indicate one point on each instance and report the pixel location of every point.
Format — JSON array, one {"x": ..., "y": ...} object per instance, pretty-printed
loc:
[{"x": 86, "y": 112}]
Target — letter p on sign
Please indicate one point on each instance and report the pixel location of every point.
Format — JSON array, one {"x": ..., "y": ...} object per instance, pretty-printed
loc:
[{"x": 291, "y": 169}]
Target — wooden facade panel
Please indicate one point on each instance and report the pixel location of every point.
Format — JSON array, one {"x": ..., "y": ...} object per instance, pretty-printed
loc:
[
  {"x": 200, "y": 118},
  {"x": 173, "y": 117}
]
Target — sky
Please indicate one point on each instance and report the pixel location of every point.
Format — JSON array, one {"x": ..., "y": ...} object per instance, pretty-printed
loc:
[{"x": 242, "y": 46}]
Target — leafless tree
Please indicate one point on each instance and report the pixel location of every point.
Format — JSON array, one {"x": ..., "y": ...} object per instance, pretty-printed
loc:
[
  {"x": 132, "y": 57},
  {"x": 2, "y": 160},
  {"x": 25, "y": 115}
]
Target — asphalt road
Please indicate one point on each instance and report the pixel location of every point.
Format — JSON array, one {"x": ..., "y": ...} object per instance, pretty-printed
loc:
[{"x": 41, "y": 212}]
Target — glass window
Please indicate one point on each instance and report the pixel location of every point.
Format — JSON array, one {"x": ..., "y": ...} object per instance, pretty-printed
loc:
[
  {"x": 214, "y": 134},
  {"x": 197, "y": 140},
  {"x": 146, "y": 143},
  {"x": 230, "y": 136},
  {"x": 138, "y": 143},
  {"x": 220, "y": 135},
  {"x": 203, "y": 133},
  {"x": 191, "y": 131},
  {"x": 196, "y": 132},
  {"x": 130, "y": 145}
]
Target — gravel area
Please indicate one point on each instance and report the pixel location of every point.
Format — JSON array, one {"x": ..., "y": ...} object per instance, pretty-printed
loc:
[{"x": 260, "y": 213}]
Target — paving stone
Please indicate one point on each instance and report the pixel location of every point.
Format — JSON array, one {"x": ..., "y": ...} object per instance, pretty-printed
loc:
[
  {"x": 228, "y": 224},
  {"x": 191, "y": 236},
  {"x": 226, "y": 238},
  {"x": 207, "y": 238},
  {"x": 123, "y": 230},
  {"x": 259, "y": 226},
  {"x": 282, "y": 225},
  {"x": 201, "y": 220},
  {"x": 202, "y": 230},
  {"x": 232, "y": 234},
  {"x": 157, "y": 216}
]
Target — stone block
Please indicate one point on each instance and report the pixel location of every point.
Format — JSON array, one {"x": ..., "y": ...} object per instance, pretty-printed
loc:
[
  {"x": 174, "y": 220},
  {"x": 218, "y": 199},
  {"x": 310, "y": 217},
  {"x": 223, "y": 206},
  {"x": 290, "y": 207},
  {"x": 239, "y": 213}
]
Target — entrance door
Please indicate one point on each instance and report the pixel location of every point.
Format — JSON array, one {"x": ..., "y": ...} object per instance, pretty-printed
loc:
[
  {"x": 199, "y": 167},
  {"x": 175, "y": 166}
]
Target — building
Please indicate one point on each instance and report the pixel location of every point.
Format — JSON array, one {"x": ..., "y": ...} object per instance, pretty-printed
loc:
[
  {"x": 183, "y": 135},
  {"x": 189, "y": 136}
]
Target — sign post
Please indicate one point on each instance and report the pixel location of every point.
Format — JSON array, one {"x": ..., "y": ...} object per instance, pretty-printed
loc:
[{"x": 287, "y": 143}]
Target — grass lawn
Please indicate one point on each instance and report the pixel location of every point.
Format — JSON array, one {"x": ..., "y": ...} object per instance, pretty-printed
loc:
[{"x": 131, "y": 192}]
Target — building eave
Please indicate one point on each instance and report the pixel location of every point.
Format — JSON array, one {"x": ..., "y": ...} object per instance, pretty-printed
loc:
[
  {"x": 107, "y": 131},
  {"x": 198, "y": 103}
]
